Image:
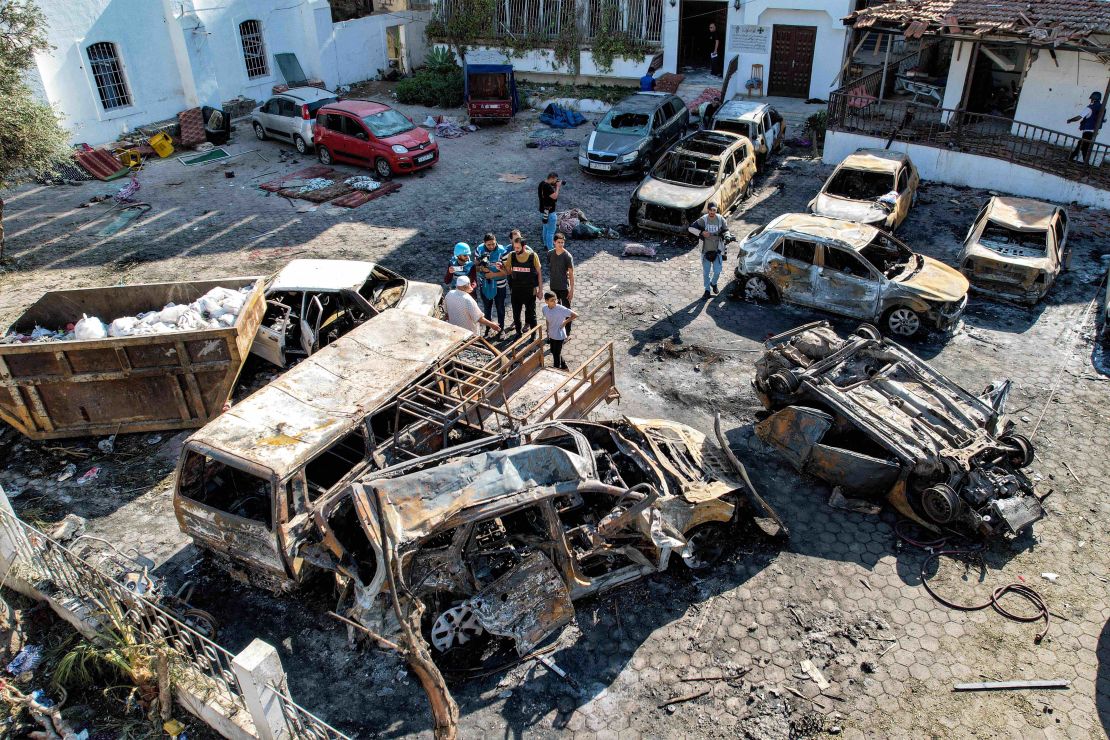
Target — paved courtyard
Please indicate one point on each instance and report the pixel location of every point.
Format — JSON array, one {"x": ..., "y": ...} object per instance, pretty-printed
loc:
[{"x": 842, "y": 591}]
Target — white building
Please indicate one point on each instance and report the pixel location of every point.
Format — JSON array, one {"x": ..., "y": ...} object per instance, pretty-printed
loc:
[
  {"x": 796, "y": 46},
  {"x": 996, "y": 82},
  {"x": 118, "y": 64}
]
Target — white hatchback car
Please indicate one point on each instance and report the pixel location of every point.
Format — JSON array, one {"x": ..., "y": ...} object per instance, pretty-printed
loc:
[{"x": 290, "y": 116}]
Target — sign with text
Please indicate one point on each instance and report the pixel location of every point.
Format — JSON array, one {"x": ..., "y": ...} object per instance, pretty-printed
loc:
[{"x": 749, "y": 39}]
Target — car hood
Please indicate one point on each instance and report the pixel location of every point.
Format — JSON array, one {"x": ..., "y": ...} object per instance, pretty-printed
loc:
[
  {"x": 671, "y": 195},
  {"x": 1009, "y": 255},
  {"x": 613, "y": 143},
  {"x": 936, "y": 281},
  {"x": 408, "y": 139},
  {"x": 421, "y": 298},
  {"x": 860, "y": 211}
]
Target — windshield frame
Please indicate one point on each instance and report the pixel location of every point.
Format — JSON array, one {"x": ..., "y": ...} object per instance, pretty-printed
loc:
[
  {"x": 843, "y": 171},
  {"x": 373, "y": 126},
  {"x": 1042, "y": 248},
  {"x": 658, "y": 169}
]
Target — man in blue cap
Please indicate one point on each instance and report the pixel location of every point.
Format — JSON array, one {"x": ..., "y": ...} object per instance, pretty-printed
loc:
[
  {"x": 1089, "y": 121},
  {"x": 460, "y": 266}
]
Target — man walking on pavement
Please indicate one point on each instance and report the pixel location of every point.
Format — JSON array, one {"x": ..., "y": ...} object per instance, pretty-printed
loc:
[
  {"x": 549, "y": 194},
  {"x": 1088, "y": 127},
  {"x": 462, "y": 310},
  {"x": 460, "y": 265},
  {"x": 713, "y": 231},
  {"x": 488, "y": 258},
  {"x": 558, "y": 320},
  {"x": 560, "y": 263},
  {"x": 525, "y": 279}
]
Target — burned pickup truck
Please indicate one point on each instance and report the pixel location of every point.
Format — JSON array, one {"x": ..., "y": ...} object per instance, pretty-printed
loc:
[
  {"x": 498, "y": 537},
  {"x": 864, "y": 414}
]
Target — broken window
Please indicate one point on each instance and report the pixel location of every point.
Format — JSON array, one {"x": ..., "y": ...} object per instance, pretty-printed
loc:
[
  {"x": 497, "y": 545},
  {"x": 797, "y": 250},
  {"x": 346, "y": 525},
  {"x": 889, "y": 257},
  {"x": 220, "y": 486},
  {"x": 624, "y": 122},
  {"x": 254, "y": 48},
  {"x": 696, "y": 172},
  {"x": 383, "y": 289},
  {"x": 1060, "y": 226},
  {"x": 341, "y": 458},
  {"x": 1002, "y": 235},
  {"x": 734, "y": 127},
  {"x": 860, "y": 184},
  {"x": 843, "y": 261}
]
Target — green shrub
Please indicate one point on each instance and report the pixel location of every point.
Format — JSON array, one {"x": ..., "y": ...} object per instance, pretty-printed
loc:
[{"x": 441, "y": 89}]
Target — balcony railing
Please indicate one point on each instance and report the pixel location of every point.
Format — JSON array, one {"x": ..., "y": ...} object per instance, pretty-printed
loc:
[{"x": 853, "y": 110}]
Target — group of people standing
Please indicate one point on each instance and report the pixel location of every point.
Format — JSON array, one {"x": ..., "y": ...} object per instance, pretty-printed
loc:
[{"x": 515, "y": 273}]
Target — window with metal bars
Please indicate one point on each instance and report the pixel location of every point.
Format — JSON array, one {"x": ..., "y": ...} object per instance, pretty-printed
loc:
[
  {"x": 111, "y": 84},
  {"x": 254, "y": 48}
]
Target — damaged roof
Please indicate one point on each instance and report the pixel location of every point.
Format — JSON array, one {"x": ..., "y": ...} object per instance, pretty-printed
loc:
[
  {"x": 875, "y": 160},
  {"x": 293, "y": 418},
  {"x": 741, "y": 110},
  {"x": 419, "y": 502},
  {"x": 1040, "y": 21},
  {"x": 1021, "y": 213},
  {"x": 855, "y": 235}
]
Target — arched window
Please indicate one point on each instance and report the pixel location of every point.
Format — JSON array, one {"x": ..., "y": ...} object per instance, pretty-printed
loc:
[
  {"x": 254, "y": 48},
  {"x": 111, "y": 85}
]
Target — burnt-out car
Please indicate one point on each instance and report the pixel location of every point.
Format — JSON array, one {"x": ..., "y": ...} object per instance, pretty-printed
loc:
[
  {"x": 851, "y": 269},
  {"x": 705, "y": 167},
  {"x": 310, "y": 303},
  {"x": 1016, "y": 249},
  {"x": 871, "y": 186},
  {"x": 866, "y": 415},
  {"x": 497, "y": 538}
]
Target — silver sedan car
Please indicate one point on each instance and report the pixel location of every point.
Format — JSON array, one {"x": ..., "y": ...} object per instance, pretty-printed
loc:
[{"x": 290, "y": 116}]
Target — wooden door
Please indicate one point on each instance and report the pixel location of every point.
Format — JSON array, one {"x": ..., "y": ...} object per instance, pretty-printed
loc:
[{"x": 791, "y": 60}]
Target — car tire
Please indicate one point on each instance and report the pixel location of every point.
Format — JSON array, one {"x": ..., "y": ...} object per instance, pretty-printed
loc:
[
  {"x": 381, "y": 166},
  {"x": 324, "y": 155},
  {"x": 1024, "y": 455},
  {"x": 902, "y": 322},
  {"x": 941, "y": 504},
  {"x": 259, "y": 132},
  {"x": 868, "y": 331},
  {"x": 301, "y": 144},
  {"x": 444, "y": 625},
  {"x": 759, "y": 289},
  {"x": 705, "y": 545}
]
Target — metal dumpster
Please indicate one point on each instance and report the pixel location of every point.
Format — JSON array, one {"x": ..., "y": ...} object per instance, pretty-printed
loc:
[{"x": 176, "y": 380}]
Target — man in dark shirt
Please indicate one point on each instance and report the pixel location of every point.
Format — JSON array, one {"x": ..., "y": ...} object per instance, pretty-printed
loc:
[
  {"x": 549, "y": 194},
  {"x": 560, "y": 266}
]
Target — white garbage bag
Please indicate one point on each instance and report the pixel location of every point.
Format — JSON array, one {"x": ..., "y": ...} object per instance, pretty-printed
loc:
[{"x": 90, "y": 327}]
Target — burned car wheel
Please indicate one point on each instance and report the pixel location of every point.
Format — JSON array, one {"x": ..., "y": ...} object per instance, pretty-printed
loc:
[
  {"x": 705, "y": 545},
  {"x": 759, "y": 289},
  {"x": 458, "y": 640},
  {"x": 868, "y": 331},
  {"x": 783, "y": 382},
  {"x": 1023, "y": 454},
  {"x": 941, "y": 503},
  {"x": 902, "y": 321}
]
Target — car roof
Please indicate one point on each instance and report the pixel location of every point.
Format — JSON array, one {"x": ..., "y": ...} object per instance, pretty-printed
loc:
[
  {"x": 857, "y": 236},
  {"x": 421, "y": 501},
  {"x": 357, "y": 107},
  {"x": 295, "y": 417},
  {"x": 326, "y": 275},
  {"x": 718, "y": 141},
  {"x": 307, "y": 94},
  {"x": 642, "y": 101},
  {"x": 875, "y": 160},
  {"x": 741, "y": 110},
  {"x": 1021, "y": 213}
]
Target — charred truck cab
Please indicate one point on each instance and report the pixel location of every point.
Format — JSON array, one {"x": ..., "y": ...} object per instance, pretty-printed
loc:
[{"x": 866, "y": 415}]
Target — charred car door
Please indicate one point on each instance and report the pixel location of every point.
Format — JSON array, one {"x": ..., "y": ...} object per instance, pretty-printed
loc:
[
  {"x": 792, "y": 266},
  {"x": 847, "y": 284},
  {"x": 312, "y": 318}
]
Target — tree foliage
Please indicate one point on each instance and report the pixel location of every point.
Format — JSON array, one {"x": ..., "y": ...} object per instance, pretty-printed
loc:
[{"x": 32, "y": 139}]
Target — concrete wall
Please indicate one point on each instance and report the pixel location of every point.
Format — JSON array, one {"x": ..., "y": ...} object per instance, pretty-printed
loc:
[
  {"x": 145, "y": 49},
  {"x": 1051, "y": 93},
  {"x": 973, "y": 170}
]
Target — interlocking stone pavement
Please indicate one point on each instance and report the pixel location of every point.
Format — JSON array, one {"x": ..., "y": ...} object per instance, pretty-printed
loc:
[{"x": 843, "y": 592}]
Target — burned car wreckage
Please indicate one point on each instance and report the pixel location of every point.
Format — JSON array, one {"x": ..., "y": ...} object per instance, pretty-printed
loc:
[
  {"x": 498, "y": 537},
  {"x": 866, "y": 415}
]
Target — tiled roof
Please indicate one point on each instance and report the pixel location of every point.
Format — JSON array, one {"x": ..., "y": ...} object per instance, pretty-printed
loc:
[{"x": 1046, "y": 21}]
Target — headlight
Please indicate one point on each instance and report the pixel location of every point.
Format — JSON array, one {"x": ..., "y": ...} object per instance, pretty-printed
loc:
[
  {"x": 631, "y": 156},
  {"x": 582, "y": 160},
  {"x": 431, "y": 138},
  {"x": 399, "y": 149}
]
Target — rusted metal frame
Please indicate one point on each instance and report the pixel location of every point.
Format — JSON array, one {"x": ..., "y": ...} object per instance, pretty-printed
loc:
[
  {"x": 587, "y": 377},
  {"x": 302, "y": 723},
  {"x": 197, "y": 397},
  {"x": 145, "y": 372},
  {"x": 39, "y": 408},
  {"x": 24, "y": 413}
]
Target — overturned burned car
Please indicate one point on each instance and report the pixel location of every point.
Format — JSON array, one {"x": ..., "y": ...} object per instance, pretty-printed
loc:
[
  {"x": 864, "y": 414},
  {"x": 498, "y": 537}
]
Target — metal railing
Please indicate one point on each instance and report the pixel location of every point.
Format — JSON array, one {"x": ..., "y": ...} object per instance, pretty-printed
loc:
[
  {"x": 83, "y": 589},
  {"x": 982, "y": 134},
  {"x": 596, "y": 377},
  {"x": 637, "y": 19},
  {"x": 301, "y": 723}
]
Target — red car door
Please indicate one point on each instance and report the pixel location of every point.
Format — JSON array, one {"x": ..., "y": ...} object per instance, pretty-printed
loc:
[{"x": 358, "y": 142}]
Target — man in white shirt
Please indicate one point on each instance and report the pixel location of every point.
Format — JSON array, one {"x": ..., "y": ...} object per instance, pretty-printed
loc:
[{"x": 461, "y": 308}]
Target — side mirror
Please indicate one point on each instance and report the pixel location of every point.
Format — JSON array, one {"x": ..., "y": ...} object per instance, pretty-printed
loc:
[{"x": 361, "y": 136}]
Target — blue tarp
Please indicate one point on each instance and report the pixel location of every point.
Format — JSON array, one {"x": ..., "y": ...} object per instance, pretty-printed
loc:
[
  {"x": 504, "y": 69},
  {"x": 557, "y": 116}
]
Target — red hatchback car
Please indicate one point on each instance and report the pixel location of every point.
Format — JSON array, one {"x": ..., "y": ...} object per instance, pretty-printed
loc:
[{"x": 372, "y": 135}]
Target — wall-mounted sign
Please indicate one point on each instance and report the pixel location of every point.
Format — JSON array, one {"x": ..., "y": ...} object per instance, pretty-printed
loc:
[{"x": 749, "y": 39}]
